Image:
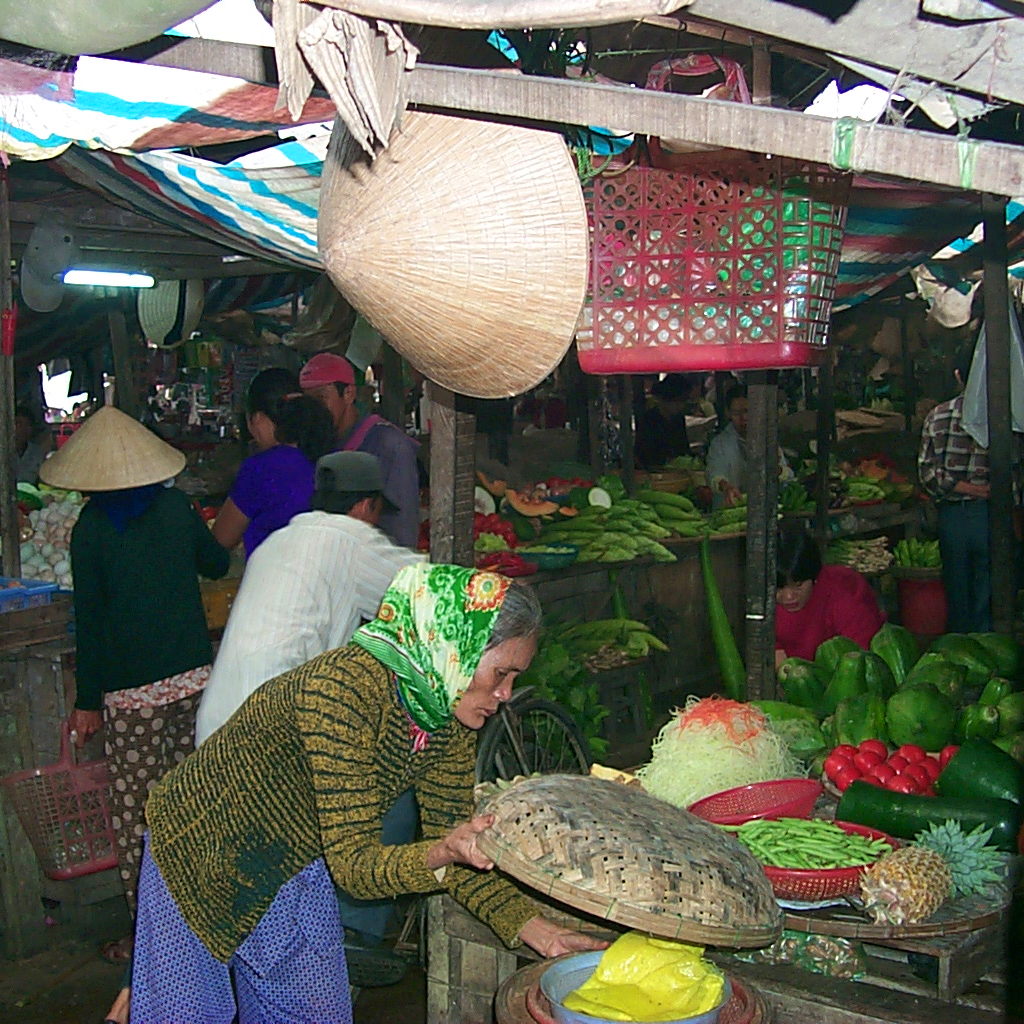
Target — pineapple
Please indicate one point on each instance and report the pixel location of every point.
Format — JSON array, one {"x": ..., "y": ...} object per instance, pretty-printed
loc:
[
  {"x": 905, "y": 886},
  {"x": 974, "y": 865},
  {"x": 911, "y": 883}
]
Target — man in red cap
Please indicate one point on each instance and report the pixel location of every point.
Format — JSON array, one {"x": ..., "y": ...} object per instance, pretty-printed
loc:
[{"x": 331, "y": 379}]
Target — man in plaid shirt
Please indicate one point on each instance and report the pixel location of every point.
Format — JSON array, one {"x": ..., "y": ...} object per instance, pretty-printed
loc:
[{"x": 953, "y": 469}]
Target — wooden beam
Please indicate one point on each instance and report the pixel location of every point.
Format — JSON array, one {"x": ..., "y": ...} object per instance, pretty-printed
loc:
[
  {"x": 900, "y": 153},
  {"x": 115, "y": 240},
  {"x": 9, "y": 532},
  {"x": 998, "y": 340},
  {"x": 978, "y": 56}
]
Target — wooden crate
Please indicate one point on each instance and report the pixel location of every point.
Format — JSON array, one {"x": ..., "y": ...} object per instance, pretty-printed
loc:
[
  {"x": 945, "y": 980},
  {"x": 798, "y": 997},
  {"x": 466, "y": 961},
  {"x": 28, "y": 626}
]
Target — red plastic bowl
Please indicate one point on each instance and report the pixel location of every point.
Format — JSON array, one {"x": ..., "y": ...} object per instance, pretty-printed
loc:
[
  {"x": 780, "y": 798},
  {"x": 811, "y": 885}
]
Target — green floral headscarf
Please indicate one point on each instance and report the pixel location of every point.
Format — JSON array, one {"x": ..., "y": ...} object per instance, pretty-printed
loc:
[{"x": 431, "y": 630}]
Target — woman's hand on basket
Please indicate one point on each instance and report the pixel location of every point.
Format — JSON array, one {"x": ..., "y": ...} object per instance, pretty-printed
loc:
[
  {"x": 550, "y": 939},
  {"x": 83, "y": 724},
  {"x": 459, "y": 846}
]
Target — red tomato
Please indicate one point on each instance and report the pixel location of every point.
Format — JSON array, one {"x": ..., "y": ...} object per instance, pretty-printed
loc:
[
  {"x": 845, "y": 749},
  {"x": 835, "y": 763},
  {"x": 867, "y": 759},
  {"x": 946, "y": 754},
  {"x": 930, "y": 791},
  {"x": 897, "y": 763},
  {"x": 912, "y": 752},
  {"x": 931, "y": 766},
  {"x": 904, "y": 784},
  {"x": 919, "y": 774},
  {"x": 875, "y": 747},
  {"x": 883, "y": 773},
  {"x": 845, "y": 776}
]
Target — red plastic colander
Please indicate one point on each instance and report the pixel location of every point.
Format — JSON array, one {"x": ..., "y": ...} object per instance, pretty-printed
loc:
[
  {"x": 780, "y": 798},
  {"x": 813, "y": 884}
]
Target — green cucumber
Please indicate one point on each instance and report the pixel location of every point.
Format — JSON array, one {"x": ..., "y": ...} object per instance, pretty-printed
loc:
[
  {"x": 980, "y": 769},
  {"x": 903, "y": 815}
]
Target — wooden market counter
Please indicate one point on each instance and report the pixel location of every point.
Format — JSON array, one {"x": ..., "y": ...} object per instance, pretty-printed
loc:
[{"x": 910, "y": 981}]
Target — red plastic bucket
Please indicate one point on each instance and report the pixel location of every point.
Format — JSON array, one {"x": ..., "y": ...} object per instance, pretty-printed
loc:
[{"x": 922, "y": 604}]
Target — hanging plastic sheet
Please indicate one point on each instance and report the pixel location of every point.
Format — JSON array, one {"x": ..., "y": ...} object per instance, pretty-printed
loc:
[{"x": 976, "y": 393}]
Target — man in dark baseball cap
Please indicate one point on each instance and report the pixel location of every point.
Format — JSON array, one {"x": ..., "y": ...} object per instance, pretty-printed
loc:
[{"x": 345, "y": 479}]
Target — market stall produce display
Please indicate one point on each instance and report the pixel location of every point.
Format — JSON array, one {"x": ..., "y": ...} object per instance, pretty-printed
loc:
[
  {"x": 951, "y": 693},
  {"x": 714, "y": 744},
  {"x": 46, "y": 552}
]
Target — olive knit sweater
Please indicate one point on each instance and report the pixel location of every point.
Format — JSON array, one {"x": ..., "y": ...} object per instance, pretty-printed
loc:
[{"x": 306, "y": 768}]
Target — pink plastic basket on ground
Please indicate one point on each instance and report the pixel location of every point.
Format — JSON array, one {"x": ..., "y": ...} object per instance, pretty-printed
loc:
[{"x": 64, "y": 809}]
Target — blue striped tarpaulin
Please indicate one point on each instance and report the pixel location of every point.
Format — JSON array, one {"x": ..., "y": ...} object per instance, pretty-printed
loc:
[{"x": 125, "y": 107}]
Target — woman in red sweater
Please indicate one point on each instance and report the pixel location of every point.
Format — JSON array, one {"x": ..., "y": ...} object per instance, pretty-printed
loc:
[{"x": 814, "y": 603}]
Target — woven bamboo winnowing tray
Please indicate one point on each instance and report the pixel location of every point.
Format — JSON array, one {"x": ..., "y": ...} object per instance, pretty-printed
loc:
[{"x": 618, "y": 853}]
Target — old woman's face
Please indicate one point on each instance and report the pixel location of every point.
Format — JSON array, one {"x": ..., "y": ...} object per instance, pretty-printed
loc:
[{"x": 493, "y": 680}]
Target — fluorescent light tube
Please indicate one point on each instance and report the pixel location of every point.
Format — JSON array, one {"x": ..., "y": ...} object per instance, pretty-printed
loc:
[{"x": 109, "y": 278}]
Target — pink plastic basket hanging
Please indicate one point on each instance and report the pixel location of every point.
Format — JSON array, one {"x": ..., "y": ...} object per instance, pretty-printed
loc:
[
  {"x": 726, "y": 261},
  {"x": 64, "y": 810}
]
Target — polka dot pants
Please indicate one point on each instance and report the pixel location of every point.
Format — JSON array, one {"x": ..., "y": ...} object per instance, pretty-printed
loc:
[{"x": 142, "y": 745}]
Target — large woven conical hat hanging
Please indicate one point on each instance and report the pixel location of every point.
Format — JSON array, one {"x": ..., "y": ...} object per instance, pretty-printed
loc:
[{"x": 464, "y": 243}]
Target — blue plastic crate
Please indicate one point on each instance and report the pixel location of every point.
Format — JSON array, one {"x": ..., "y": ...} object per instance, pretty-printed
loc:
[{"x": 17, "y": 594}]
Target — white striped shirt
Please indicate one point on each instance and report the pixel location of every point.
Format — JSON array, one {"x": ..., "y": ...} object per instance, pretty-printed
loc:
[{"x": 305, "y": 590}]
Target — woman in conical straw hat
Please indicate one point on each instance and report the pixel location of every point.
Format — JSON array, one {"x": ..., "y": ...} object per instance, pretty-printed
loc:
[
  {"x": 238, "y": 918},
  {"x": 142, "y": 648}
]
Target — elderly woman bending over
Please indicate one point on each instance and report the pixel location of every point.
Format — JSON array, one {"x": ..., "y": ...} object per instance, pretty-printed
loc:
[{"x": 237, "y": 913}]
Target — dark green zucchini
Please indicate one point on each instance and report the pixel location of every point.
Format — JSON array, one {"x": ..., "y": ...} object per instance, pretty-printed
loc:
[{"x": 903, "y": 815}]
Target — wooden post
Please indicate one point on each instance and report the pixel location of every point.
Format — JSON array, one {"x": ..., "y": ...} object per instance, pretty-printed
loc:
[
  {"x": 126, "y": 394},
  {"x": 826, "y": 422},
  {"x": 627, "y": 433},
  {"x": 392, "y": 394},
  {"x": 595, "y": 421},
  {"x": 909, "y": 385},
  {"x": 452, "y": 458},
  {"x": 762, "y": 502},
  {"x": 761, "y": 76},
  {"x": 9, "y": 533},
  {"x": 998, "y": 339}
]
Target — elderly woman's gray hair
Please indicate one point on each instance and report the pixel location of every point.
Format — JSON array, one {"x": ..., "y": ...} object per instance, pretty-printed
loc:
[{"x": 520, "y": 615}]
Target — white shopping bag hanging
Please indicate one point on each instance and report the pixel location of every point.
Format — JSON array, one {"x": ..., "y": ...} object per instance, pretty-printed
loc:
[{"x": 976, "y": 393}]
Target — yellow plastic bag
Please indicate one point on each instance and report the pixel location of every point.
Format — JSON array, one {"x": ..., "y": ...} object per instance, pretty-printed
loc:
[{"x": 640, "y": 978}]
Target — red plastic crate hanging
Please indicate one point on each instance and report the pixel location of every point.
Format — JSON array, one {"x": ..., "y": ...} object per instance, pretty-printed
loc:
[{"x": 729, "y": 263}]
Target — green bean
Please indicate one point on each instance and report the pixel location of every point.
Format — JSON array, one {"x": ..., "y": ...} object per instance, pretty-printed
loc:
[{"x": 805, "y": 843}]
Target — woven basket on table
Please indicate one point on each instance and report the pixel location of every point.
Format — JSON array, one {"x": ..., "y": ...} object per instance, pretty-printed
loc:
[
  {"x": 465, "y": 244},
  {"x": 618, "y": 853}
]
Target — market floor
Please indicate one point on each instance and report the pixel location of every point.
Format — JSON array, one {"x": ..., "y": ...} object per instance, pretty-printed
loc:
[{"x": 72, "y": 984}]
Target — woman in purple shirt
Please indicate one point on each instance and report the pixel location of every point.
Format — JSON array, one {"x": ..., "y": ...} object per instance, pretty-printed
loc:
[{"x": 291, "y": 431}]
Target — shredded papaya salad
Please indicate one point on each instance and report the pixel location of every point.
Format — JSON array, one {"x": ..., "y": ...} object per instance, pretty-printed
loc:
[{"x": 713, "y": 744}]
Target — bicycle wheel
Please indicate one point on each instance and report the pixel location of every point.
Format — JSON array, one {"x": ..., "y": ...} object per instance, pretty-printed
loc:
[{"x": 528, "y": 736}]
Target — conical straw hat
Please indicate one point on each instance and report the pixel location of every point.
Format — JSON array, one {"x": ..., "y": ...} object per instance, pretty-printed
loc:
[
  {"x": 109, "y": 452},
  {"x": 464, "y": 243}
]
